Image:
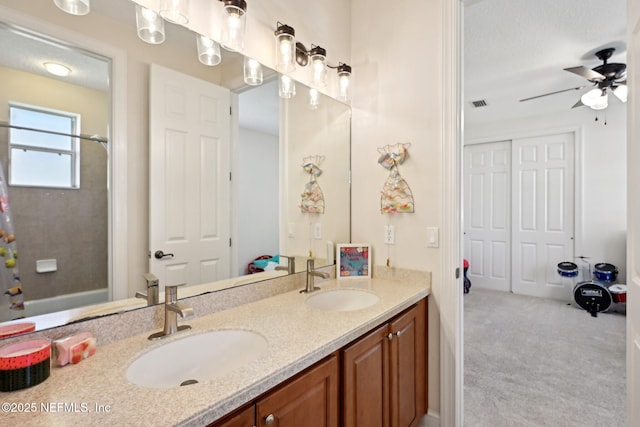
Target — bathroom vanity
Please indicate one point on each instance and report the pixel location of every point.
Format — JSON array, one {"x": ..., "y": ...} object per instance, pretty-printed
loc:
[
  {"x": 318, "y": 363},
  {"x": 379, "y": 376}
]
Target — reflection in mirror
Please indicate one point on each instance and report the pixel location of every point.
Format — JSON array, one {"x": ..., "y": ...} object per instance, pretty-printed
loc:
[
  {"x": 265, "y": 217},
  {"x": 52, "y": 178}
]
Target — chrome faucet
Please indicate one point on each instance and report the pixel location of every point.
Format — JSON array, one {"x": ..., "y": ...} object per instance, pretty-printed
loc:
[
  {"x": 151, "y": 295},
  {"x": 311, "y": 273},
  {"x": 172, "y": 308},
  {"x": 291, "y": 264}
]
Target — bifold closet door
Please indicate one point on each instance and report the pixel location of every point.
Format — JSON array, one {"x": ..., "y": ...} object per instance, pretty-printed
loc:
[
  {"x": 542, "y": 213},
  {"x": 487, "y": 214}
]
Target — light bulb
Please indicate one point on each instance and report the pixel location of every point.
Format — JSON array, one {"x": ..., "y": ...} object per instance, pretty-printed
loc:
[
  {"x": 286, "y": 87},
  {"x": 150, "y": 25},
  {"x": 74, "y": 7},
  {"x": 233, "y": 26},
  {"x": 318, "y": 57},
  {"x": 252, "y": 72},
  {"x": 176, "y": 11},
  {"x": 285, "y": 48},
  {"x": 208, "y": 51},
  {"x": 314, "y": 98}
]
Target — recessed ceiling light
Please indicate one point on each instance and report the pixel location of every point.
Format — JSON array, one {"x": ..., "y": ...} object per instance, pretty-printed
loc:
[{"x": 57, "y": 69}]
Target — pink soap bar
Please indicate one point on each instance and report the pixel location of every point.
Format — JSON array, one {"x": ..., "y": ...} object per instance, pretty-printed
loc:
[{"x": 75, "y": 348}]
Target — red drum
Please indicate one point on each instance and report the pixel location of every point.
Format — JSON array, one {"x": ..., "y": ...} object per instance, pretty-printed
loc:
[
  {"x": 618, "y": 293},
  {"x": 592, "y": 296}
]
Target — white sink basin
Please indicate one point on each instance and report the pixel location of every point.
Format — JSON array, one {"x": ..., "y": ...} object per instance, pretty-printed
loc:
[
  {"x": 196, "y": 358},
  {"x": 342, "y": 300}
]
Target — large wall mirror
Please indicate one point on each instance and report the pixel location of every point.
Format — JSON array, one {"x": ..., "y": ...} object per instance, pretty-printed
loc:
[{"x": 279, "y": 152}]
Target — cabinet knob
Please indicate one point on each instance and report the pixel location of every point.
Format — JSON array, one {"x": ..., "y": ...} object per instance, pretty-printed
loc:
[
  {"x": 398, "y": 333},
  {"x": 390, "y": 336},
  {"x": 269, "y": 419}
]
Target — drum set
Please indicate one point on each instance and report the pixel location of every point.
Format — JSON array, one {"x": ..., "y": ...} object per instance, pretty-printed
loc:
[{"x": 600, "y": 293}]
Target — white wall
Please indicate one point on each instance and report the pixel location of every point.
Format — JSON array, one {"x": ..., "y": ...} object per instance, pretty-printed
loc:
[
  {"x": 601, "y": 174},
  {"x": 397, "y": 97},
  {"x": 257, "y": 215}
]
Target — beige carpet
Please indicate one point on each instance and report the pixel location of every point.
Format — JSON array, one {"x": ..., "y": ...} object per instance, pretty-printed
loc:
[{"x": 535, "y": 362}]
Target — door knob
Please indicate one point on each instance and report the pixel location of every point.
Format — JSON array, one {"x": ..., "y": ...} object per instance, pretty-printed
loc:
[
  {"x": 161, "y": 255},
  {"x": 269, "y": 419}
]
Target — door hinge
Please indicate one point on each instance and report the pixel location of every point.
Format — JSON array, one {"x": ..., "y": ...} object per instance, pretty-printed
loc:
[
  {"x": 230, "y": 110},
  {"x": 458, "y": 273},
  {"x": 229, "y": 241},
  {"x": 229, "y": 176},
  {"x": 149, "y": 254}
]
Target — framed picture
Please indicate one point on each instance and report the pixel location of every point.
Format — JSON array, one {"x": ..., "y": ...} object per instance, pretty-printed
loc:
[{"x": 353, "y": 260}]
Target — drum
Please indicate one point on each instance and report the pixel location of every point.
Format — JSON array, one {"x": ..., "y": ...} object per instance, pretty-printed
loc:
[
  {"x": 618, "y": 293},
  {"x": 605, "y": 272},
  {"x": 592, "y": 296},
  {"x": 567, "y": 269}
]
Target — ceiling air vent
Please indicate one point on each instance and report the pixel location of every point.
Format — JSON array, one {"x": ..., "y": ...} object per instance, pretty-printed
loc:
[{"x": 480, "y": 103}]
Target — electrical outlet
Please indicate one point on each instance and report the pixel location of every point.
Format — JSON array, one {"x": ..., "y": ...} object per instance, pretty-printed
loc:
[
  {"x": 317, "y": 230},
  {"x": 389, "y": 234}
]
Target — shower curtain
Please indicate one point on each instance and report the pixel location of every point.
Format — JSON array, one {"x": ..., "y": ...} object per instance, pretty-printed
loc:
[{"x": 12, "y": 305}]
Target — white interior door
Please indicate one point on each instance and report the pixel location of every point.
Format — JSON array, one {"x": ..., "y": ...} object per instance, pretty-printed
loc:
[
  {"x": 189, "y": 183},
  {"x": 542, "y": 209},
  {"x": 487, "y": 214},
  {"x": 633, "y": 216}
]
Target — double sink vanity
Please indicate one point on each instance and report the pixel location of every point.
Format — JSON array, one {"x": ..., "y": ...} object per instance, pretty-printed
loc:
[{"x": 278, "y": 358}]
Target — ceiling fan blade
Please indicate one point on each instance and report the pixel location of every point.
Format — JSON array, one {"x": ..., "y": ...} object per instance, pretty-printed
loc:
[
  {"x": 553, "y": 93},
  {"x": 587, "y": 73},
  {"x": 578, "y": 104}
]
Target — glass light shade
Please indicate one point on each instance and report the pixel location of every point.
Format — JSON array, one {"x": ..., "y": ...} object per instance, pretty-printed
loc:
[
  {"x": 286, "y": 87},
  {"x": 74, "y": 7},
  {"x": 252, "y": 72},
  {"x": 57, "y": 69},
  {"x": 314, "y": 98},
  {"x": 621, "y": 92},
  {"x": 285, "y": 49},
  {"x": 176, "y": 11},
  {"x": 318, "y": 68},
  {"x": 344, "y": 80},
  {"x": 601, "y": 103},
  {"x": 595, "y": 99},
  {"x": 208, "y": 51},
  {"x": 150, "y": 25},
  {"x": 233, "y": 26},
  {"x": 590, "y": 97}
]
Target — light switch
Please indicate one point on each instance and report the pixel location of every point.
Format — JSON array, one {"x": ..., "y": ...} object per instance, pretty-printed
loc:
[
  {"x": 433, "y": 239},
  {"x": 317, "y": 230},
  {"x": 291, "y": 229}
]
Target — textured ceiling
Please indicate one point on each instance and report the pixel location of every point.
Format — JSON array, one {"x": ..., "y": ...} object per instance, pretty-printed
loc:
[{"x": 515, "y": 49}]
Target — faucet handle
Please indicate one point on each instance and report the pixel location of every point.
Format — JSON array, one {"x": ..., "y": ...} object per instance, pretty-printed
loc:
[{"x": 151, "y": 279}]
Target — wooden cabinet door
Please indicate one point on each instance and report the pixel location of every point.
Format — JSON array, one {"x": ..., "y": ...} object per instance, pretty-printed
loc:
[
  {"x": 310, "y": 400},
  {"x": 408, "y": 367},
  {"x": 365, "y": 381},
  {"x": 243, "y": 418}
]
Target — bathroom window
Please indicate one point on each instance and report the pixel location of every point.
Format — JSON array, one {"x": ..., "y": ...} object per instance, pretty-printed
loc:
[{"x": 43, "y": 159}]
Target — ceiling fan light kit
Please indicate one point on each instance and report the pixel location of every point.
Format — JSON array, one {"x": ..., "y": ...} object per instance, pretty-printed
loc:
[{"x": 608, "y": 77}]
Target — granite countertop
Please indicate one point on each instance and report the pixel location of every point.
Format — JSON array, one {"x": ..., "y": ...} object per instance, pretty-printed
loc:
[{"x": 96, "y": 392}]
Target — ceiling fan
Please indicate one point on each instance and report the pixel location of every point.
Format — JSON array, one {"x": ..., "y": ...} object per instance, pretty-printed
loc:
[{"x": 606, "y": 78}]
